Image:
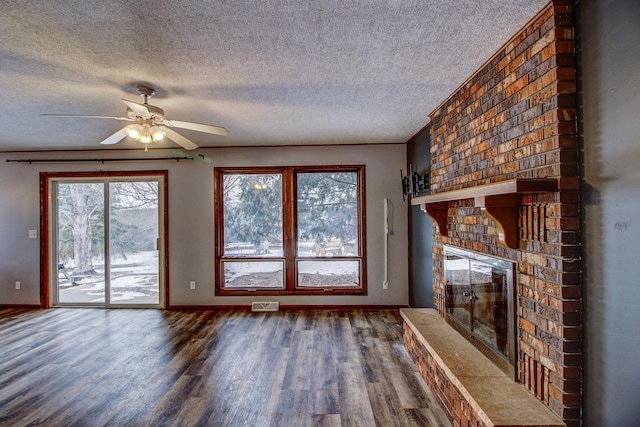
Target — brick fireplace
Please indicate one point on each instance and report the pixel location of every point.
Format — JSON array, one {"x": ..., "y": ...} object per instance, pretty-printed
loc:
[{"x": 514, "y": 122}]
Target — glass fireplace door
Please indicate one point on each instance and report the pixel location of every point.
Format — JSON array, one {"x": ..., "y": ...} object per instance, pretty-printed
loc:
[
  {"x": 478, "y": 292},
  {"x": 458, "y": 288},
  {"x": 488, "y": 297}
]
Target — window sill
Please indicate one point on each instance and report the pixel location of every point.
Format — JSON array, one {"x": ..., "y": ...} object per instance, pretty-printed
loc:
[{"x": 302, "y": 292}]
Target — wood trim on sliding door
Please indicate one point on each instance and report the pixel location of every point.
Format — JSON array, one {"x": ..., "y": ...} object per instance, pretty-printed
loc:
[
  {"x": 44, "y": 240},
  {"x": 45, "y": 223}
]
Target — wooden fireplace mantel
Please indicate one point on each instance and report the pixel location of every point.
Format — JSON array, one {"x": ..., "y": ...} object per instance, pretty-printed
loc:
[{"x": 501, "y": 201}]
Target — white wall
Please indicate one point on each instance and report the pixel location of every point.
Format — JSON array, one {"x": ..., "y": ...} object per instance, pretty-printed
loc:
[
  {"x": 191, "y": 220},
  {"x": 610, "y": 32}
]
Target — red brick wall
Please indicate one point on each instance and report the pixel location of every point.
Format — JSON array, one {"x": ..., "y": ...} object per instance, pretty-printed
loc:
[
  {"x": 516, "y": 118},
  {"x": 446, "y": 393}
]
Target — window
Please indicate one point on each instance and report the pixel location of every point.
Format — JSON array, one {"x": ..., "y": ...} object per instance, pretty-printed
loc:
[{"x": 290, "y": 230}]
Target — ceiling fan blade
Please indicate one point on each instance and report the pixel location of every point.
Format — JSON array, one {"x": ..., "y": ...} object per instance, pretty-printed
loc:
[
  {"x": 180, "y": 140},
  {"x": 84, "y": 116},
  {"x": 116, "y": 137},
  {"x": 216, "y": 130},
  {"x": 139, "y": 109}
]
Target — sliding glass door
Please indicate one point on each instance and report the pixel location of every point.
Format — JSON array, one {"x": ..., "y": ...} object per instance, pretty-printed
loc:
[
  {"x": 80, "y": 243},
  {"x": 106, "y": 237}
]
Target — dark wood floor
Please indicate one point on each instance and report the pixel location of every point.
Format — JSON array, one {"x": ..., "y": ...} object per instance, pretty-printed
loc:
[{"x": 95, "y": 367}]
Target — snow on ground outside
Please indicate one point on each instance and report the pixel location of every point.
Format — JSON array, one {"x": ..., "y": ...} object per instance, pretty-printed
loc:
[
  {"x": 311, "y": 273},
  {"x": 133, "y": 281},
  {"x": 269, "y": 273}
]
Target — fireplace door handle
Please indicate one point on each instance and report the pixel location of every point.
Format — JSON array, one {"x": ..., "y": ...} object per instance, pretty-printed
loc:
[{"x": 472, "y": 295}]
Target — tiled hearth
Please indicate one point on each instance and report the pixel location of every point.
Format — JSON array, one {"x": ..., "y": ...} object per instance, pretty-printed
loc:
[{"x": 468, "y": 386}]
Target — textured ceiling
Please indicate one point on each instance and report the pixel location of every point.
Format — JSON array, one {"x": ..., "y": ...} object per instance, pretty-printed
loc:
[{"x": 276, "y": 72}]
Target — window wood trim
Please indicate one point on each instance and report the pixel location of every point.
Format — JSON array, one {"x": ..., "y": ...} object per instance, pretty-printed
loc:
[{"x": 290, "y": 225}]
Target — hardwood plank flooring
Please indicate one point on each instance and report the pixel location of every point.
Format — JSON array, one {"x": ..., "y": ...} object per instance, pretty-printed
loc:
[{"x": 131, "y": 367}]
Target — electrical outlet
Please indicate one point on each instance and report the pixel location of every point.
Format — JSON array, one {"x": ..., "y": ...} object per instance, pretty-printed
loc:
[
  {"x": 385, "y": 285},
  {"x": 192, "y": 285},
  {"x": 33, "y": 234},
  {"x": 18, "y": 285}
]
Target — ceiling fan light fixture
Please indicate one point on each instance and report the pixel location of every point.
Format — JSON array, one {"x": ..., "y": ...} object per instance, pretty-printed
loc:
[
  {"x": 157, "y": 134},
  {"x": 145, "y": 139},
  {"x": 134, "y": 131}
]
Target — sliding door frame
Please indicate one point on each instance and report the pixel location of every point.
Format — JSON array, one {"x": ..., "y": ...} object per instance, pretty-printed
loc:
[{"x": 46, "y": 224}]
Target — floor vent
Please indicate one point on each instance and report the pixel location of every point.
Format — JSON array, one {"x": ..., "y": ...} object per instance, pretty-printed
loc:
[{"x": 265, "y": 306}]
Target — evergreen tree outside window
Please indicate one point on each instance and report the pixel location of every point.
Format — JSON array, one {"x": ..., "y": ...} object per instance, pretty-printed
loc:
[{"x": 291, "y": 230}]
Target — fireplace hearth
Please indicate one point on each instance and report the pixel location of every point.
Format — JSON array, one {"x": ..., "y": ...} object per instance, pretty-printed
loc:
[{"x": 479, "y": 299}]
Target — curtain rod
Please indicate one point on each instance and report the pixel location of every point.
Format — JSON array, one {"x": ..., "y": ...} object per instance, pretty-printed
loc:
[{"x": 177, "y": 159}]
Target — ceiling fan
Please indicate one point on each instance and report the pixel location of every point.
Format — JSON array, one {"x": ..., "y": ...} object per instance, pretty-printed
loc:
[{"x": 149, "y": 124}]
